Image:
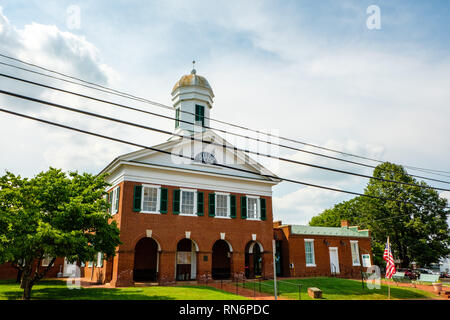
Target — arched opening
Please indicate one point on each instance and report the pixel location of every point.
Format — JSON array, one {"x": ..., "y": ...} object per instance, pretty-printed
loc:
[
  {"x": 253, "y": 260},
  {"x": 186, "y": 260},
  {"x": 146, "y": 260},
  {"x": 221, "y": 260}
]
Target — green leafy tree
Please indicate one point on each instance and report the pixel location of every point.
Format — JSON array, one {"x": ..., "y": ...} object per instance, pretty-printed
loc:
[
  {"x": 53, "y": 214},
  {"x": 418, "y": 230}
]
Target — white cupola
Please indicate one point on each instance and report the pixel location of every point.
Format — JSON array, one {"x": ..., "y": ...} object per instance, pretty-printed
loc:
[{"x": 192, "y": 98}]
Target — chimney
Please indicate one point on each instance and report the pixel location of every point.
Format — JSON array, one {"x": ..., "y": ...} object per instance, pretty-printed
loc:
[{"x": 344, "y": 223}]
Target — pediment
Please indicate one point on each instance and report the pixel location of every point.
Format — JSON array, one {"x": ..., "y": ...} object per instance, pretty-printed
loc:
[{"x": 200, "y": 156}]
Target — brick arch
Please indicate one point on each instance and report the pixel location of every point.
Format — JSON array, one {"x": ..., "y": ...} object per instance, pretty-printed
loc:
[
  {"x": 178, "y": 239},
  {"x": 231, "y": 246},
  {"x": 144, "y": 235},
  {"x": 252, "y": 244}
]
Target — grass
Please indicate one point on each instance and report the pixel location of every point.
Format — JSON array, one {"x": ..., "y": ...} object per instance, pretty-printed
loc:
[
  {"x": 57, "y": 290},
  {"x": 339, "y": 289}
]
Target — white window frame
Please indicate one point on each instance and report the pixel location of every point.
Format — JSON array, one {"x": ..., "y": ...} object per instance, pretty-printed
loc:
[
  {"x": 46, "y": 260},
  {"x": 313, "y": 253},
  {"x": 258, "y": 208},
  {"x": 228, "y": 216},
  {"x": 352, "y": 242},
  {"x": 158, "y": 198},
  {"x": 99, "y": 262},
  {"x": 194, "y": 214},
  {"x": 114, "y": 196}
]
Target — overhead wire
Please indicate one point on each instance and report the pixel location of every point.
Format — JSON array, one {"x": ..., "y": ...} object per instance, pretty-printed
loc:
[
  {"x": 91, "y": 114},
  {"x": 273, "y": 177},
  {"x": 130, "y": 96},
  {"x": 193, "y": 123}
]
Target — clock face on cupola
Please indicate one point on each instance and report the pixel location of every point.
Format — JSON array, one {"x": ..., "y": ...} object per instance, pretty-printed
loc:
[{"x": 205, "y": 157}]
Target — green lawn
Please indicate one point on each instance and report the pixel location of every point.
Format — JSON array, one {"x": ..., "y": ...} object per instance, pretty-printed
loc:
[
  {"x": 56, "y": 289},
  {"x": 339, "y": 289}
]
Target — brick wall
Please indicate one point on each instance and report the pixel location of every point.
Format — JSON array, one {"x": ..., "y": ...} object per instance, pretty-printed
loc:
[
  {"x": 293, "y": 252},
  {"x": 7, "y": 271},
  {"x": 168, "y": 229}
]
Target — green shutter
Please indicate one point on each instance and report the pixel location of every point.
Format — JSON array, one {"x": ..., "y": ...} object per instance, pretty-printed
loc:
[
  {"x": 176, "y": 202},
  {"x": 233, "y": 206},
  {"x": 212, "y": 204},
  {"x": 200, "y": 203},
  {"x": 263, "y": 208},
  {"x": 164, "y": 200},
  {"x": 117, "y": 199},
  {"x": 244, "y": 207},
  {"x": 200, "y": 114},
  {"x": 137, "y": 197},
  {"x": 108, "y": 200},
  {"x": 177, "y": 118}
]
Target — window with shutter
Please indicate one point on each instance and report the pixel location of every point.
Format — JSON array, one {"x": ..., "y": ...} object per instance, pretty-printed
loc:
[
  {"x": 222, "y": 205},
  {"x": 200, "y": 203},
  {"x": 253, "y": 207},
  {"x": 188, "y": 203},
  {"x": 164, "y": 200},
  {"x": 200, "y": 115},
  {"x": 176, "y": 201},
  {"x": 243, "y": 207},
  {"x": 211, "y": 204},
  {"x": 263, "y": 208},
  {"x": 137, "y": 197},
  {"x": 233, "y": 206}
]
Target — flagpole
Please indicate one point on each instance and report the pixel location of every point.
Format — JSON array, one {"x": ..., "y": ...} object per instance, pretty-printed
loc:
[{"x": 389, "y": 283}]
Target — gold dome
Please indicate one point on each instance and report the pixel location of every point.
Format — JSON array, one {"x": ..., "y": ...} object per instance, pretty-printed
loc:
[{"x": 192, "y": 79}]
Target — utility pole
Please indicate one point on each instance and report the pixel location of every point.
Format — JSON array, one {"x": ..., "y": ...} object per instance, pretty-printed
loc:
[{"x": 274, "y": 269}]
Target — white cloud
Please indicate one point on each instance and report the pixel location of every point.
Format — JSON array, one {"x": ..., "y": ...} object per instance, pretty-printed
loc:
[{"x": 300, "y": 206}]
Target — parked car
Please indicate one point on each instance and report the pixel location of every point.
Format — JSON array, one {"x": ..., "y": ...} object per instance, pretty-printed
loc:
[
  {"x": 444, "y": 274},
  {"x": 408, "y": 273},
  {"x": 425, "y": 271}
]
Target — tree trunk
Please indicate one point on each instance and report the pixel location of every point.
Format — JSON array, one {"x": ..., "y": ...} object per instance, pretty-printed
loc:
[{"x": 27, "y": 285}]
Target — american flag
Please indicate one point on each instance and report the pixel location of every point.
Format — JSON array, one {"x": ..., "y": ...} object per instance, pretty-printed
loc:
[{"x": 390, "y": 266}]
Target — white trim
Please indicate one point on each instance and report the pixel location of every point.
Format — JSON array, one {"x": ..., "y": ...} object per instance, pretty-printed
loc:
[
  {"x": 228, "y": 216},
  {"x": 357, "y": 253},
  {"x": 213, "y": 174},
  {"x": 194, "y": 204},
  {"x": 337, "y": 268},
  {"x": 250, "y": 248},
  {"x": 158, "y": 198},
  {"x": 113, "y": 194},
  {"x": 46, "y": 260},
  {"x": 312, "y": 251},
  {"x": 204, "y": 134},
  {"x": 258, "y": 207},
  {"x": 181, "y": 184}
]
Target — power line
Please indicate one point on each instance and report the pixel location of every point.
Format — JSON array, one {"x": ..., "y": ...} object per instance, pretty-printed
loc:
[
  {"x": 193, "y": 159},
  {"x": 193, "y": 123},
  {"x": 129, "y": 96},
  {"x": 208, "y": 142}
]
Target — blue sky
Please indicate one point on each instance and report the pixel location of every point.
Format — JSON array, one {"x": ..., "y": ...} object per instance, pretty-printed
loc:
[{"x": 310, "y": 69}]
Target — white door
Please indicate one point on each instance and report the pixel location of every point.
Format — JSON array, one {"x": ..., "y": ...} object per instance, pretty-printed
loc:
[
  {"x": 334, "y": 260},
  {"x": 70, "y": 269}
]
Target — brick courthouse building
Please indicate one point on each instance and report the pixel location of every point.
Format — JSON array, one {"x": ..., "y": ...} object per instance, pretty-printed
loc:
[{"x": 183, "y": 219}]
